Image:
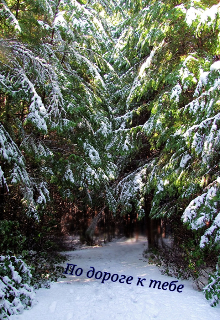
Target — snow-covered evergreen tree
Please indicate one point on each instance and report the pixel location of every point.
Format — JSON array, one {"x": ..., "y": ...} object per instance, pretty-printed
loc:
[
  {"x": 16, "y": 294},
  {"x": 113, "y": 101},
  {"x": 53, "y": 89},
  {"x": 167, "y": 55}
]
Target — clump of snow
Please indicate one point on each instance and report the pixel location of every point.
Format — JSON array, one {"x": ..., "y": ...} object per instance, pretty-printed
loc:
[
  {"x": 69, "y": 175},
  {"x": 193, "y": 14},
  {"x": 105, "y": 128},
  {"x": 44, "y": 25},
  {"x": 91, "y": 175},
  {"x": 160, "y": 187},
  {"x": 127, "y": 144},
  {"x": 184, "y": 160},
  {"x": 147, "y": 63},
  {"x": 203, "y": 16},
  {"x": 215, "y": 66},
  {"x": 2, "y": 179},
  {"x": 44, "y": 193},
  {"x": 209, "y": 15},
  {"x": 202, "y": 81},
  {"x": 92, "y": 153},
  {"x": 37, "y": 112},
  {"x": 59, "y": 19},
  {"x": 176, "y": 91}
]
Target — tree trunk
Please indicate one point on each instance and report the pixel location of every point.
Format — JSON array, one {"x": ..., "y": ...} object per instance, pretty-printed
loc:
[
  {"x": 91, "y": 229},
  {"x": 17, "y": 8},
  {"x": 153, "y": 226}
]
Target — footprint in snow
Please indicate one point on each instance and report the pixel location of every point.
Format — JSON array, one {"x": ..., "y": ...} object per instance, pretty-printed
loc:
[{"x": 52, "y": 307}]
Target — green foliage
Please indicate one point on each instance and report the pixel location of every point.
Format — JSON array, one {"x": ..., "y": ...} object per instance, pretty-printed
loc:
[
  {"x": 44, "y": 267},
  {"x": 212, "y": 290},
  {"x": 167, "y": 59},
  {"x": 54, "y": 103},
  {"x": 11, "y": 238},
  {"x": 110, "y": 102},
  {"x": 16, "y": 292}
]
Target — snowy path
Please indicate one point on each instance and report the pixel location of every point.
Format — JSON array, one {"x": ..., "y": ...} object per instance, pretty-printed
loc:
[{"x": 81, "y": 298}]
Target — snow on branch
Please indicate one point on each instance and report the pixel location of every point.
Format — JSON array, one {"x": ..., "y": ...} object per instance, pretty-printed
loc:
[
  {"x": 129, "y": 191},
  {"x": 8, "y": 149},
  {"x": 9, "y": 15},
  {"x": 3, "y": 181},
  {"x": 203, "y": 211},
  {"x": 43, "y": 74},
  {"x": 37, "y": 112},
  {"x": 18, "y": 174}
]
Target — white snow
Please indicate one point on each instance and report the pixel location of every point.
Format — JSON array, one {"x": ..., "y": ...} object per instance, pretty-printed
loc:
[
  {"x": 192, "y": 14},
  {"x": 176, "y": 91},
  {"x": 127, "y": 143},
  {"x": 59, "y": 19},
  {"x": 184, "y": 160},
  {"x": 204, "y": 16},
  {"x": 81, "y": 298},
  {"x": 215, "y": 66},
  {"x": 204, "y": 76},
  {"x": 147, "y": 63},
  {"x": 2, "y": 178},
  {"x": 92, "y": 153},
  {"x": 69, "y": 175},
  {"x": 209, "y": 15},
  {"x": 203, "y": 80},
  {"x": 160, "y": 186},
  {"x": 10, "y": 16},
  {"x": 104, "y": 129},
  {"x": 44, "y": 25}
]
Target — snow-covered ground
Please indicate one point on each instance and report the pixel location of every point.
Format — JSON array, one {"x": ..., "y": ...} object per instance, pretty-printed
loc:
[{"x": 81, "y": 298}]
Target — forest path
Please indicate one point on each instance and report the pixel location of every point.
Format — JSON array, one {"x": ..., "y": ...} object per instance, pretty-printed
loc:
[{"x": 81, "y": 298}]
